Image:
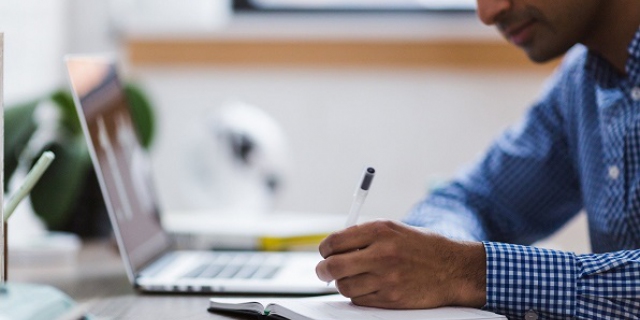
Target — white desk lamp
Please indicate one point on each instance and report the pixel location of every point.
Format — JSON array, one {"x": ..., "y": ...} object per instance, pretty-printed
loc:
[{"x": 23, "y": 301}]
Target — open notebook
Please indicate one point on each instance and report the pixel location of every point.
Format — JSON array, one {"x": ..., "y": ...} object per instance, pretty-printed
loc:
[{"x": 332, "y": 307}]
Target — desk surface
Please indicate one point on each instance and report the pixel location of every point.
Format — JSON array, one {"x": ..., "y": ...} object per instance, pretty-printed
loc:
[{"x": 98, "y": 282}]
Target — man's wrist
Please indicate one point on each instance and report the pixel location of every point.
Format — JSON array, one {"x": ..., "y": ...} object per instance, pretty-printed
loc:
[{"x": 470, "y": 275}]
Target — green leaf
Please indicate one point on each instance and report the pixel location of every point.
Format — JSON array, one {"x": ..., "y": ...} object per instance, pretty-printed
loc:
[
  {"x": 62, "y": 184},
  {"x": 70, "y": 120},
  {"x": 141, "y": 113},
  {"x": 62, "y": 188},
  {"x": 18, "y": 128}
]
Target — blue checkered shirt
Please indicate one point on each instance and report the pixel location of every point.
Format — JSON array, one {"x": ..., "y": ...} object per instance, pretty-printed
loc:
[{"x": 577, "y": 148}]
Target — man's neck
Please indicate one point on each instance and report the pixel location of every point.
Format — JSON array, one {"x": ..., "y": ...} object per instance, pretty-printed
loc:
[{"x": 614, "y": 31}]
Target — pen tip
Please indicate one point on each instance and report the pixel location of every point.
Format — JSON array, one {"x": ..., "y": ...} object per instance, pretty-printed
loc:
[{"x": 367, "y": 178}]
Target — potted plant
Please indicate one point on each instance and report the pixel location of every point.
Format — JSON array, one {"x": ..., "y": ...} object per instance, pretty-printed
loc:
[{"x": 68, "y": 197}]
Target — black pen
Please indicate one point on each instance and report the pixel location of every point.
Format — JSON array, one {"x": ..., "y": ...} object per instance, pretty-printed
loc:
[{"x": 360, "y": 194}]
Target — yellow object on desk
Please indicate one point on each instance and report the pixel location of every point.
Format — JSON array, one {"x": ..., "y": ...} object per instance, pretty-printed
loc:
[
  {"x": 302, "y": 242},
  {"x": 281, "y": 231}
]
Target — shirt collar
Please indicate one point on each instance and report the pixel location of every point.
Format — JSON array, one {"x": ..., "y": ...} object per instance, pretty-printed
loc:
[
  {"x": 633, "y": 64},
  {"x": 603, "y": 72}
]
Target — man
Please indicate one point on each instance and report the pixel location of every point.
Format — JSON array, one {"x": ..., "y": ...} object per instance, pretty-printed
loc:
[{"x": 577, "y": 148}]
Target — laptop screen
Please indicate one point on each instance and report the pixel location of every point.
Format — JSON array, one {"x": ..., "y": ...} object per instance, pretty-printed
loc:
[{"x": 121, "y": 164}]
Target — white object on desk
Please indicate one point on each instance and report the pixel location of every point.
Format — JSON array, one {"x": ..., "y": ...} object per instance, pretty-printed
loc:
[
  {"x": 234, "y": 159},
  {"x": 22, "y": 301},
  {"x": 33, "y": 176},
  {"x": 34, "y": 246}
]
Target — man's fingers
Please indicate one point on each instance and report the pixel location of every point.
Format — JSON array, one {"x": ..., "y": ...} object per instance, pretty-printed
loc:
[
  {"x": 355, "y": 237},
  {"x": 382, "y": 298},
  {"x": 350, "y": 239},
  {"x": 372, "y": 299},
  {"x": 358, "y": 285},
  {"x": 343, "y": 265}
]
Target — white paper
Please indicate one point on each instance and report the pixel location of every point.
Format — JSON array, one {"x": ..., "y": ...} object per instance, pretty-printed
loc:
[{"x": 330, "y": 307}]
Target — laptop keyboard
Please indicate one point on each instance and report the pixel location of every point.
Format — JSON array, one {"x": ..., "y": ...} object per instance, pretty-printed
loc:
[{"x": 237, "y": 266}]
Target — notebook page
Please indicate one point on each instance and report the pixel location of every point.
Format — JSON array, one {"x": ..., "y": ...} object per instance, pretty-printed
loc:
[
  {"x": 346, "y": 310},
  {"x": 335, "y": 306}
]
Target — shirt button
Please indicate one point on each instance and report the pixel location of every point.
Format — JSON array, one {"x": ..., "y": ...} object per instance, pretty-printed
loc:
[
  {"x": 530, "y": 315},
  {"x": 635, "y": 93},
  {"x": 614, "y": 172}
]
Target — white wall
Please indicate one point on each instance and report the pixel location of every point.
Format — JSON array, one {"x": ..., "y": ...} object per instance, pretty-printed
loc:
[
  {"x": 35, "y": 40},
  {"x": 413, "y": 126},
  {"x": 91, "y": 27}
]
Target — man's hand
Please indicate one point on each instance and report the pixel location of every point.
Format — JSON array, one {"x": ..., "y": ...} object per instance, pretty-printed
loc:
[{"x": 390, "y": 265}]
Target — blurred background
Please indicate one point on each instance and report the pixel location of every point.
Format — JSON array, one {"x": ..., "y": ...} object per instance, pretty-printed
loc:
[{"x": 416, "y": 89}]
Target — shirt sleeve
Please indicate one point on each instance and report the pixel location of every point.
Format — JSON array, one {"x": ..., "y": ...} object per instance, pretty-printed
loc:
[
  {"x": 522, "y": 190},
  {"x": 549, "y": 284}
]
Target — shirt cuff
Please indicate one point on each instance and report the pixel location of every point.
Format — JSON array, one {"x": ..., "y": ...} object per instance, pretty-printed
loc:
[{"x": 522, "y": 280}]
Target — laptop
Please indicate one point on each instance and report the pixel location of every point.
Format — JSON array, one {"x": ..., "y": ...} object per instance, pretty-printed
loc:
[{"x": 124, "y": 173}]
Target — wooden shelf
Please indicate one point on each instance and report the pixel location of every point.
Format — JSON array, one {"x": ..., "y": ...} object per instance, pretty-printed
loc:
[
  {"x": 329, "y": 53},
  {"x": 398, "y": 41}
]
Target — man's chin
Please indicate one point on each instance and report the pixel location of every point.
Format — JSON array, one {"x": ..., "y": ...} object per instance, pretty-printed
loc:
[{"x": 541, "y": 56}]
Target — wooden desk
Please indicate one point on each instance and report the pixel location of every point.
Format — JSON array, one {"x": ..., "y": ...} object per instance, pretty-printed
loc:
[
  {"x": 99, "y": 282},
  {"x": 155, "y": 307}
]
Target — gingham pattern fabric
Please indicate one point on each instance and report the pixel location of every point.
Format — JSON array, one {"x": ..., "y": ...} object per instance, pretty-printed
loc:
[{"x": 577, "y": 148}]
